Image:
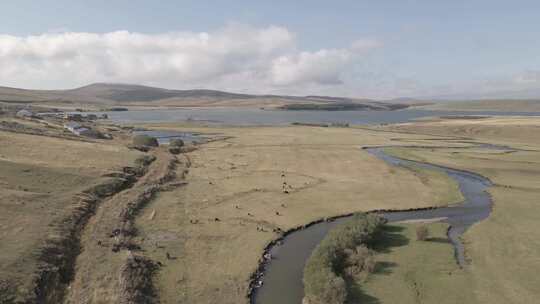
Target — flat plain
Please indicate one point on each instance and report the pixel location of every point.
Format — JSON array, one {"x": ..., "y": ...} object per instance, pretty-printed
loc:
[{"x": 232, "y": 197}]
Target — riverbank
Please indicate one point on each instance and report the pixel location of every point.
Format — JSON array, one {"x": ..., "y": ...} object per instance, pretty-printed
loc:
[
  {"x": 281, "y": 275},
  {"x": 501, "y": 250}
]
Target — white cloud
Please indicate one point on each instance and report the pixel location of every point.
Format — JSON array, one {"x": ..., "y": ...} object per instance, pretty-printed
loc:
[
  {"x": 236, "y": 57},
  {"x": 322, "y": 67},
  {"x": 530, "y": 77}
]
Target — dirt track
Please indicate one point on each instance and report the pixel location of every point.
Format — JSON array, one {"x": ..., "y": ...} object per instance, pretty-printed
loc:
[{"x": 107, "y": 239}]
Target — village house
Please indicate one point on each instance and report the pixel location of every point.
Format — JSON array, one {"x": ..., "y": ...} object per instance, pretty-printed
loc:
[
  {"x": 25, "y": 114},
  {"x": 72, "y": 126},
  {"x": 81, "y": 130},
  {"x": 73, "y": 117}
]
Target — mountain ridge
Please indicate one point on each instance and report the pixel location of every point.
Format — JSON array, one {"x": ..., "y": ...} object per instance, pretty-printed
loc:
[{"x": 141, "y": 95}]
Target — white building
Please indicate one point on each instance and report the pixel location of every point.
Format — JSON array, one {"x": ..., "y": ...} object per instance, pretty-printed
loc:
[
  {"x": 25, "y": 114},
  {"x": 72, "y": 126}
]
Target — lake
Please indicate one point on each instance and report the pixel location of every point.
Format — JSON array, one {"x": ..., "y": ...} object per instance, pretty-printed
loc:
[{"x": 276, "y": 117}]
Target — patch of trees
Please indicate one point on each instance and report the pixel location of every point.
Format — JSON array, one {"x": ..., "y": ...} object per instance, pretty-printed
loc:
[
  {"x": 175, "y": 145},
  {"x": 145, "y": 141},
  {"x": 342, "y": 252},
  {"x": 176, "y": 142}
]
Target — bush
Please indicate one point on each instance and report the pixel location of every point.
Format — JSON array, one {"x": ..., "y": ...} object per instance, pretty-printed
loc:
[
  {"x": 359, "y": 260},
  {"x": 176, "y": 142},
  {"x": 145, "y": 140},
  {"x": 144, "y": 160},
  {"x": 422, "y": 233},
  {"x": 323, "y": 280},
  {"x": 175, "y": 150}
]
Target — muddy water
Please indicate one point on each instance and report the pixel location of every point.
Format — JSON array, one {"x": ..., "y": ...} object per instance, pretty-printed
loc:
[{"x": 282, "y": 277}]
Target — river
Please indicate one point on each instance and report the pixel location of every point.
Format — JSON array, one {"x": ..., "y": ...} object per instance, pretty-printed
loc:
[{"x": 282, "y": 274}]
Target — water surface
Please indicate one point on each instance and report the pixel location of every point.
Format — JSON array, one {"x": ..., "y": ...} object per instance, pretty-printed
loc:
[{"x": 245, "y": 116}]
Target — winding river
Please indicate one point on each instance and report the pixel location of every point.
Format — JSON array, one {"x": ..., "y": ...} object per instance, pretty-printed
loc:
[{"x": 282, "y": 275}]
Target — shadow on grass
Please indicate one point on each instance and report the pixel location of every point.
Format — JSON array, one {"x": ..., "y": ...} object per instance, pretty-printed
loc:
[
  {"x": 382, "y": 267},
  {"x": 388, "y": 237},
  {"x": 384, "y": 241},
  {"x": 355, "y": 294}
]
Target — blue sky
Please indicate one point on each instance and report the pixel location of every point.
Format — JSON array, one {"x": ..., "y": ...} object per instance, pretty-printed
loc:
[{"x": 410, "y": 48}]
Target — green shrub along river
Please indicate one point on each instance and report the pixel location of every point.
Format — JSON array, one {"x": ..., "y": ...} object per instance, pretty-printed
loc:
[{"x": 324, "y": 272}]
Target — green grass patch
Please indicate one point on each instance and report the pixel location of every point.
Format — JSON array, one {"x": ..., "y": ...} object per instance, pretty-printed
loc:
[
  {"x": 448, "y": 189},
  {"x": 411, "y": 271}
]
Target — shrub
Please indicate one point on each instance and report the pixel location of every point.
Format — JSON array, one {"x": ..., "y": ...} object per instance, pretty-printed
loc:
[
  {"x": 359, "y": 260},
  {"x": 370, "y": 264},
  {"x": 145, "y": 140},
  {"x": 422, "y": 233},
  {"x": 176, "y": 142},
  {"x": 144, "y": 160},
  {"x": 323, "y": 280},
  {"x": 175, "y": 150}
]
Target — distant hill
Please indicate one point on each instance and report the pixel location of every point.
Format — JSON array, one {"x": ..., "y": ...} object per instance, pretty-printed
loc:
[
  {"x": 110, "y": 94},
  {"x": 508, "y": 105},
  {"x": 136, "y": 93},
  {"x": 522, "y": 94}
]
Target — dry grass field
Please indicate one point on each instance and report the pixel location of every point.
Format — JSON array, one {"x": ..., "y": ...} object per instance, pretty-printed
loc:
[
  {"x": 209, "y": 227},
  {"x": 208, "y": 230},
  {"x": 39, "y": 179}
]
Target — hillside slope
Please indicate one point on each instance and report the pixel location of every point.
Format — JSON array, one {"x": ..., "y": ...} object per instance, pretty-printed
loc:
[
  {"x": 107, "y": 94},
  {"x": 503, "y": 105}
]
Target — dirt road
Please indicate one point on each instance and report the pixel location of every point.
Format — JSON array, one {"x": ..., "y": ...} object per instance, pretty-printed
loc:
[{"x": 107, "y": 247}]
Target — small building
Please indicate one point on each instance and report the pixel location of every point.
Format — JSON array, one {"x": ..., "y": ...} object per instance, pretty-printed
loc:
[
  {"x": 24, "y": 114},
  {"x": 92, "y": 116},
  {"x": 72, "y": 126},
  {"x": 82, "y": 131},
  {"x": 73, "y": 117}
]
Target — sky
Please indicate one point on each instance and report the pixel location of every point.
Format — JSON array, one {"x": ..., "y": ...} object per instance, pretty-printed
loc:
[{"x": 368, "y": 49}]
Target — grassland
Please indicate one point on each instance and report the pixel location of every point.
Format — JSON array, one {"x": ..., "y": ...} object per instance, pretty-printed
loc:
[
  {"x": 239, "y": 182},
  {"x": 40, "y": 178},
  {"x": 209, "y": 226},
  {"x": 502, "y": 249},
  {"x": 209, "y": 233},
  {"x": 411, "y": 271}
]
